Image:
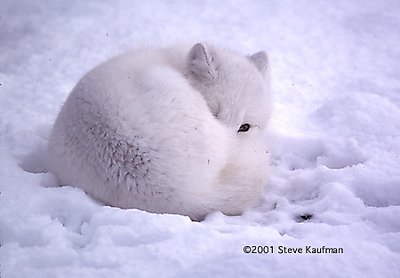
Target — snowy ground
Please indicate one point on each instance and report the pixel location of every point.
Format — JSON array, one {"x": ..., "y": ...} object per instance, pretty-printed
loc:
[{"x": 335, "y": 140}]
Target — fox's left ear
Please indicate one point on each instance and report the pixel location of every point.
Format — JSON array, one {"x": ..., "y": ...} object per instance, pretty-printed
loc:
[{"x": 260, "y": 60}]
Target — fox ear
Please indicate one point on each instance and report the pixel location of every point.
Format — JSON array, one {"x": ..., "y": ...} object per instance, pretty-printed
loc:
[
  {"x": 260, "y": 60},
  {"x": 201, "y": 62}
]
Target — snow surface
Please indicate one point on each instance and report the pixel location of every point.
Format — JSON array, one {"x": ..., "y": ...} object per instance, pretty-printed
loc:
[{"x": 335, "y": 141}]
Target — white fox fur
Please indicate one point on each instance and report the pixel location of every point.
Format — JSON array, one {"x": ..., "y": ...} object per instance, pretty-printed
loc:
[{"x": 157, "y": 130}]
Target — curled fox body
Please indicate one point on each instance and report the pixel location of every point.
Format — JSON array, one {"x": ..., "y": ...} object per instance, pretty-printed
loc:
[{"x": 175, "y": 130}]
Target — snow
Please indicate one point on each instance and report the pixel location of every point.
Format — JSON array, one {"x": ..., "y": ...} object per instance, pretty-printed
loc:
[{"x": 334, "y": 135}]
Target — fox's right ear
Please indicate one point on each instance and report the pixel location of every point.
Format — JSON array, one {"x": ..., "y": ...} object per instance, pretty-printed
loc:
[{"x": 201, "y": 62}]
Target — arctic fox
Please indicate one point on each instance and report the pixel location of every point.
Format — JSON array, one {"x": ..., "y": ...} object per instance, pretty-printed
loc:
[{"x": 175, "y": 130}]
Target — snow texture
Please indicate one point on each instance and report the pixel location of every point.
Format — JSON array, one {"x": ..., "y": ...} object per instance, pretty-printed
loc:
[{"x": 335, "y": 141}]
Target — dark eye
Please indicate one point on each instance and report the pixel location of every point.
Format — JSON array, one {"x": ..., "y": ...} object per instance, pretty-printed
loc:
[{"x": 244, "y": 128}]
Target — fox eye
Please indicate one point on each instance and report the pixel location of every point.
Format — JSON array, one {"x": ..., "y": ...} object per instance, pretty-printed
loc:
[{"x": 244, "y": 128}]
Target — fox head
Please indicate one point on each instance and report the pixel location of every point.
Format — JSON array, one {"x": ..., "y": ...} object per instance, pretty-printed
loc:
[{"x": 235, "y": 87}]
